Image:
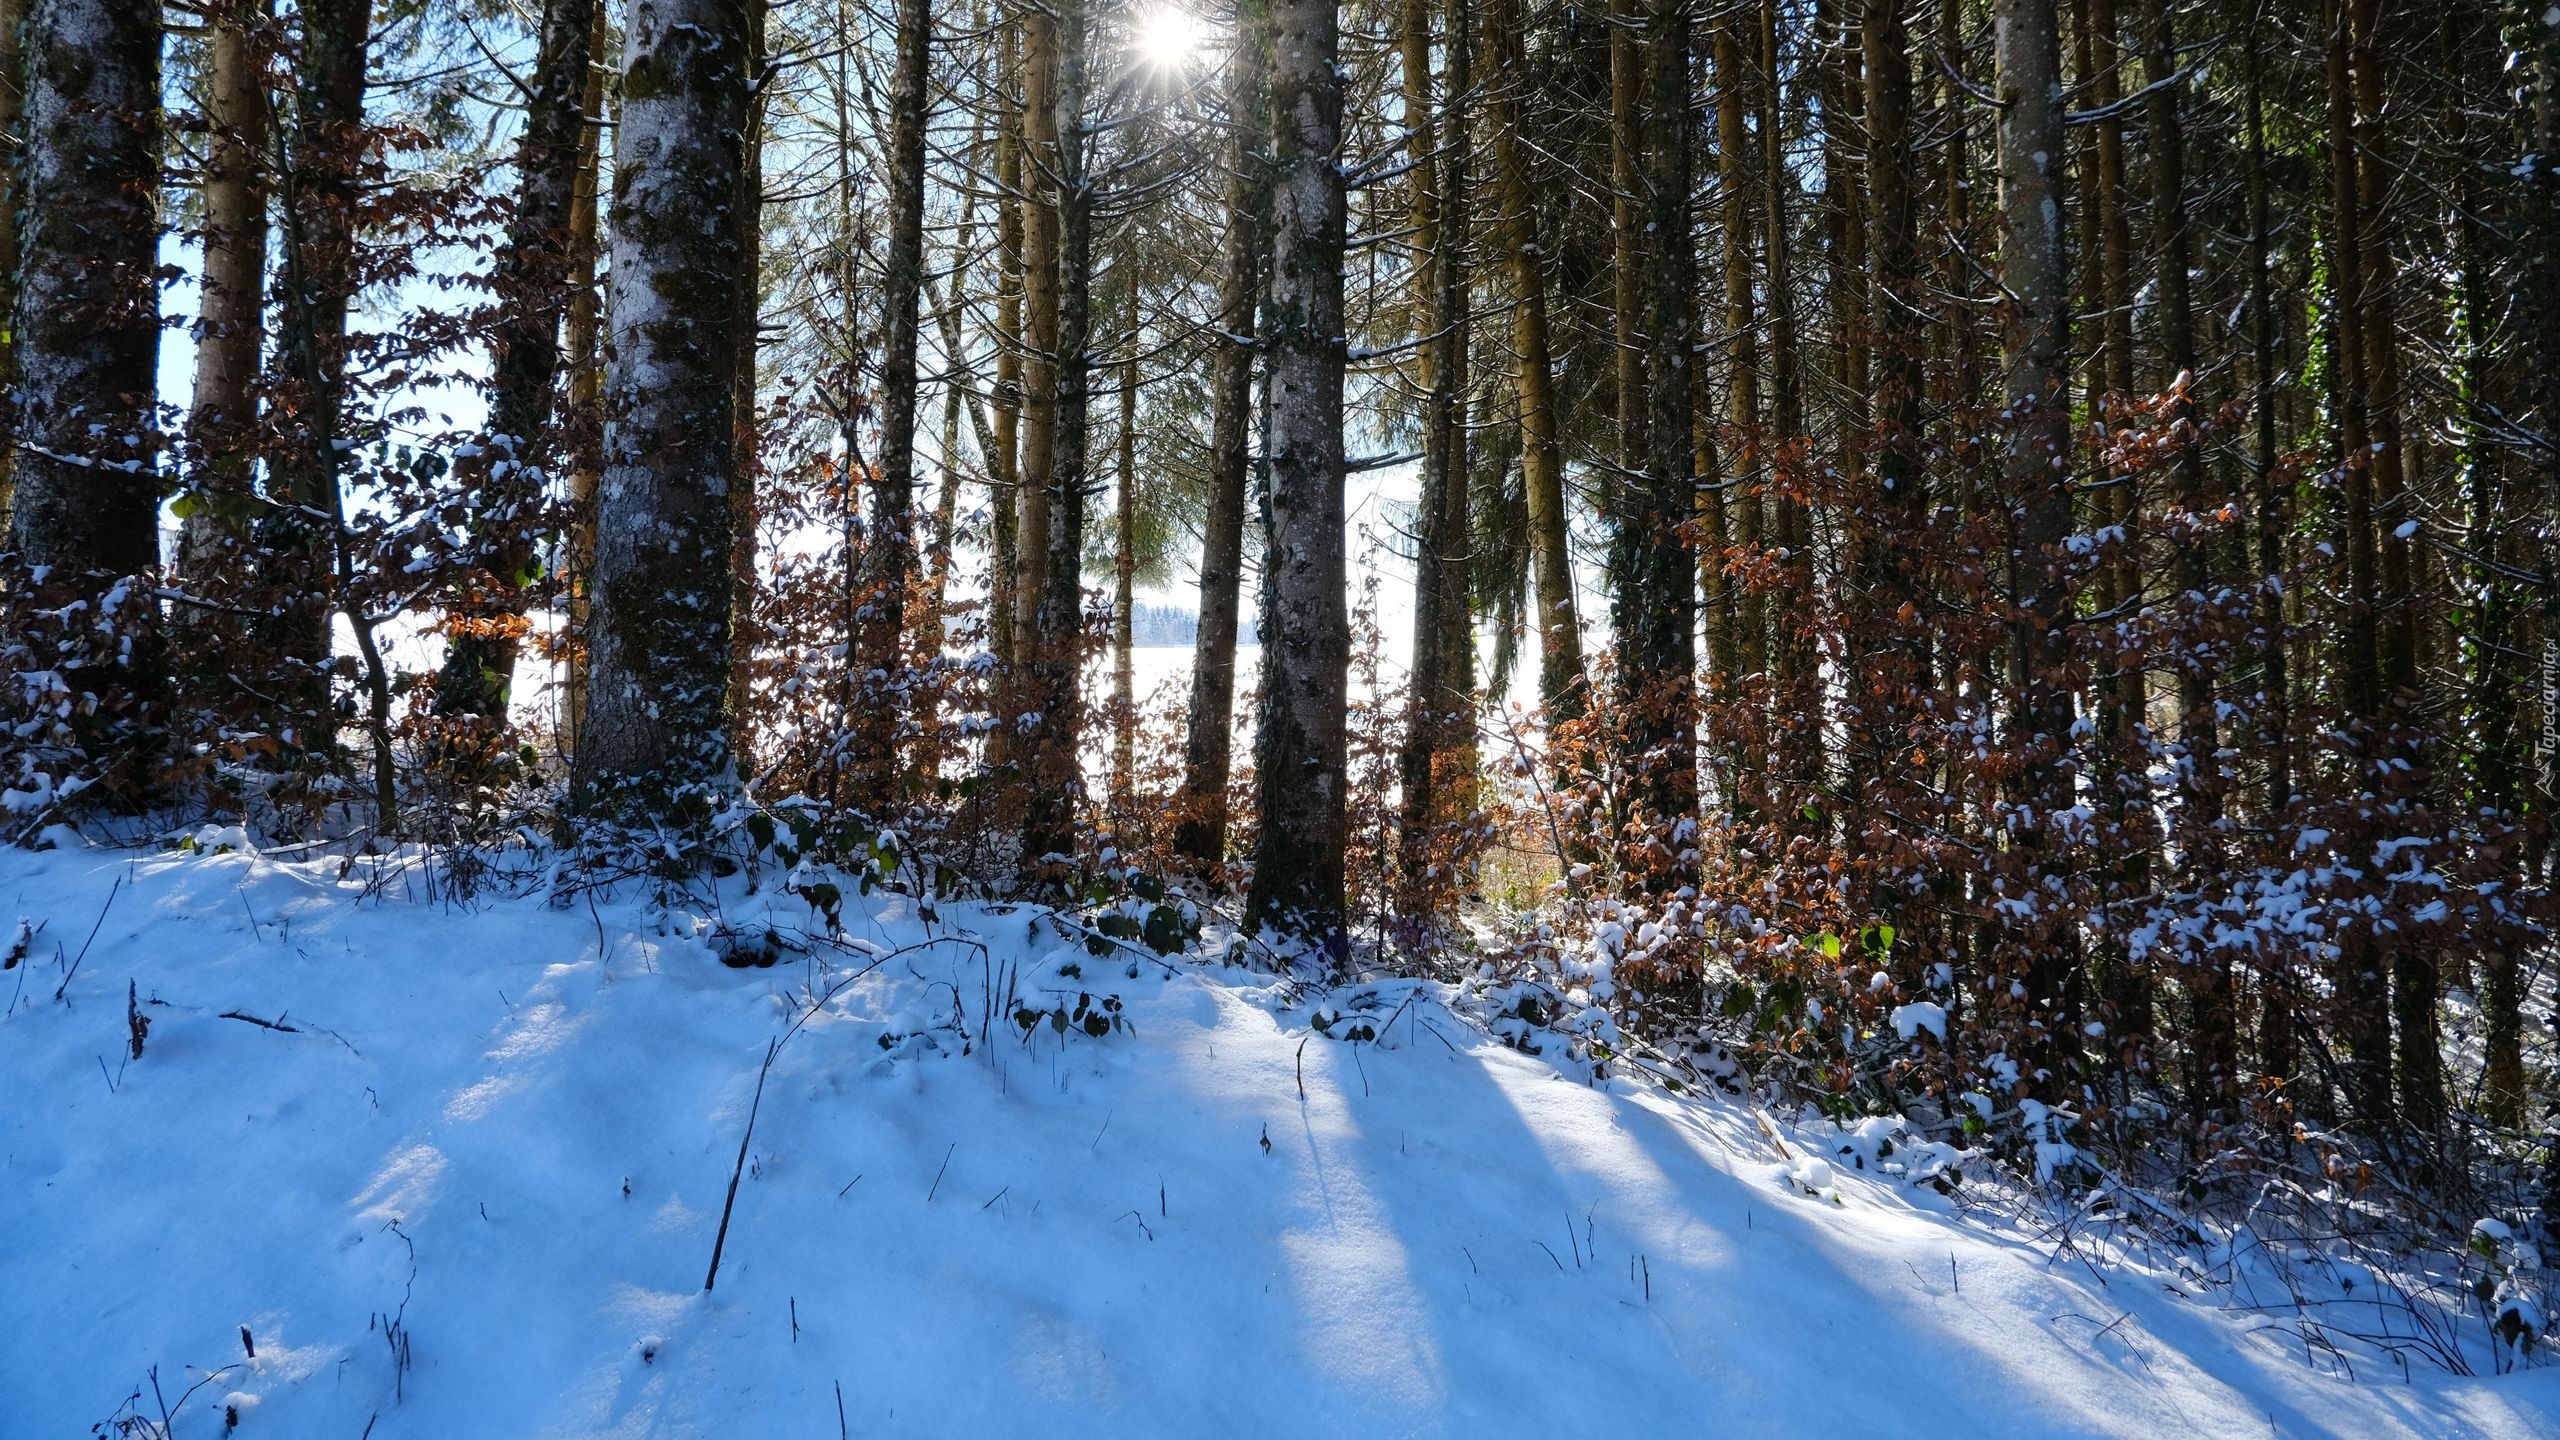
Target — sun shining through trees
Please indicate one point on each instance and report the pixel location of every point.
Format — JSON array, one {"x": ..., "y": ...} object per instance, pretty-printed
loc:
[{"x": 1170, "y": 37}]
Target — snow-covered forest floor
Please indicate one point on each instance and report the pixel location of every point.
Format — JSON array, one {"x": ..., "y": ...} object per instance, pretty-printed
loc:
[{"x": 456, "y": 1170}]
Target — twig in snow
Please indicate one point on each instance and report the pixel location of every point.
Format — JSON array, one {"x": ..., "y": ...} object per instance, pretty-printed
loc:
[
  {"x": 277, "y": 1025},
  {"x": 937, "y": 1175},
  {"x": 849, "y": 1184},
  {"x": 992, "y": 1199},
  {"x": 721, "y": 1240},
  {"x": 1551, "y": 1254},
  {"x": 112, "y": 890},
  {"x": 841, "y": 1433},
  {"x": 1435, "y": 1032},
  {"x": 1302, "y": 1069}
]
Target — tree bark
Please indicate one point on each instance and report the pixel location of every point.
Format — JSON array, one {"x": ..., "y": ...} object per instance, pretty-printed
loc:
[
  {"x": 658, "y": 710},
  {"x": 2037, "y": 447},
  {"x": 1746, "y": 506},
  {"x": 1005, "y": 480},
  {"x": 2276, "y": 1046},
  {"x": 2539, "y": 211},
  {"x": 888, "y": 555},
  {"x": 1626, "y": 159},
  {"x": 745, "y": 511},
  {"x": 1004, "y": 467},
  {"x": 1657, "y": 611},
  {"x": 2414, "y": 978},
  {"x": 13, "y": 108},
  {"x": 1306, "y": 631},
  {"x": 1795, "y": 749},
  {"x": 959, "y": 394},
  {"x": 1541, "y": 447},
  {"x": 297, "y": 534},
  {"x": 87, "y": 503},
  {"x": 1200, "y": 830},
  {"x": 2363, "y": 1018},
  {"x": 2473, "y": 58},
  {"x": 1052, "y": 764},
  {"x": 1040, "y": 354},
  {"x": 1898, "y": 307},
  {"x": 222, "y": 417},
  {"x": 1422, "y": 199},
  {"x": 1441, "y": 700},
  {"x": 514, "y": 458},
  {"x": 1124, "y": 571},
  {"x": 2214, "y": 1084},
  {"x": 582, "y": 344}
]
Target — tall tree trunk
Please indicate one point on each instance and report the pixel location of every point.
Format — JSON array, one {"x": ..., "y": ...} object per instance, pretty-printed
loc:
[
  {"x": 2363, "y": 1018},
  {"x": 299, "y": 532},
  {"x": 1898, "y": 306},
  {"x": 1124, "y": 571},
  {"x": 1306, "y": 629},
  {"x": 582, "y": 346},
  {"x": 845, "y": 404},
  {"x": 959, "y": 394},
  {"x": 1040, "y": 354},
  {"x": 1794, "y": 714},
  {"x": 747, "y": 212},
  {"x": 1746, "y": 507},
  {"x": 1052, "y": 764},
  {"x": 222, "y": 418},
  {"x": 87, "y": 501},
  {"x": 2037, "y": 447},
  {"x": 1656, "y": 614},
  {"x": 2214, "y": 1084},
  {"x": 13, "y": 107},
  {"x": 888, "y": 554},
  {"x": 2539, "y": 208},
  {"x": 1626, "y": 158},
  {"x": 1541, "y": 448},
  {"x": 1015, "y": 199},
  {"x": 1004, "y": 473},
  {"x": 2120, "y": 689},
  {"x": 1441, "y": 702},
  {"x": 2414, "y": 980},
  {"x": 1200, "y": 832},
  {"x": 658, "y": 711},
  {"x": 1841, "y": 96},
  {"x": 2122, "y": 695},
  {"x": 2473, "y": 57},
  {"x": 1422, "y": 200},
  {"x": 2274, "y": 738},
  {"x": 515, "y": 454}
]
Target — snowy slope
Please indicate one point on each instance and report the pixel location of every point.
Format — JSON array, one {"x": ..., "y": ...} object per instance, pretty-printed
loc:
[{"x": 502, "y": 1135}]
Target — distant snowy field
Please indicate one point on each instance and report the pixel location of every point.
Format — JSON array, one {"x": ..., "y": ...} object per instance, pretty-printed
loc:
[{"x": 472, "y": 1191}]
